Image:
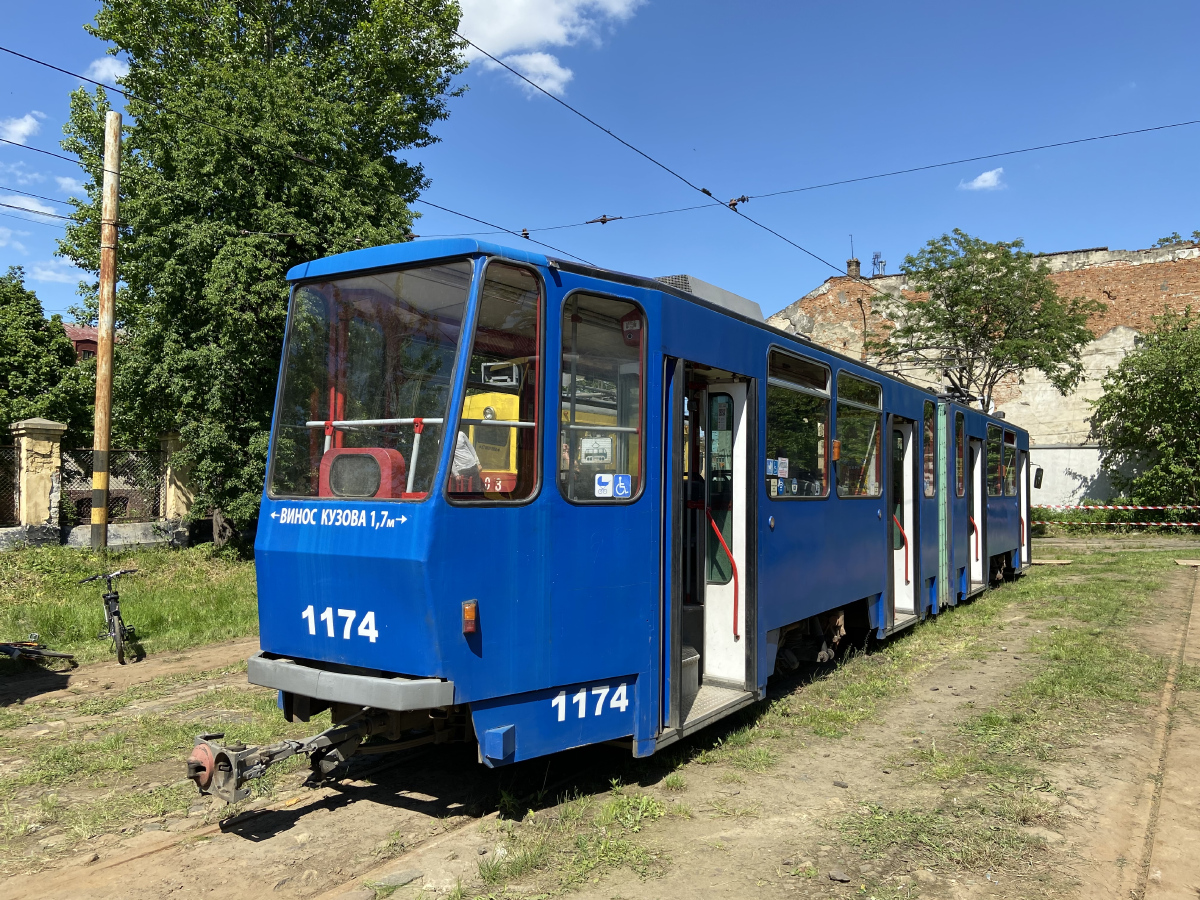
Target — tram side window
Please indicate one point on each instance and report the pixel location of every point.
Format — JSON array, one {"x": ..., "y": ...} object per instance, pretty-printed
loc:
[
  {"x": 495, "y": 453},
  {"x": 995, "y": 463},
  {"x": 960, "y": 454},
  {"x": 600, "y": 407},
  {"x": 367, "y": 383},
  {"x": 929, "y": 450},
  {"x": 859, "y": 423},
  {"x": 1010, "y": 464},
  {"x": 797, "y": 428}
]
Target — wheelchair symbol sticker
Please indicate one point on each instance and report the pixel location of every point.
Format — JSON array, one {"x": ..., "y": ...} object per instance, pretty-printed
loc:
[{"x": 623, "y": 486}]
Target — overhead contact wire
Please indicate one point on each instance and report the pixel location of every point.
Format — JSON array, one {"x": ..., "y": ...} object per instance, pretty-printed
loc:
[{"x": 129, "y": 95}]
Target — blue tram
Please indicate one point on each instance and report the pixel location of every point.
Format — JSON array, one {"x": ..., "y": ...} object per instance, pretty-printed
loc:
[{"x": 532, "y": 504}]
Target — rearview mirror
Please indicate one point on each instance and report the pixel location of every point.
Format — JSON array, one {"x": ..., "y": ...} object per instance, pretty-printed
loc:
[{"x": 1037, "y": 477}]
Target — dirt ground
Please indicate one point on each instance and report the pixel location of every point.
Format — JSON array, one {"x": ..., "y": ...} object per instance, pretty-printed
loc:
[{"x": 1116, "y": 817}]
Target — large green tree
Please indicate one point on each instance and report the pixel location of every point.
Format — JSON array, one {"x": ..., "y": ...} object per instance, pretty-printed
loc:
[
  {"x": 259, "y": 134},
  {"x": 38, "y": 372},
  {"x": 989, "y": 312},
  {"x": 1148, "y": 418}
]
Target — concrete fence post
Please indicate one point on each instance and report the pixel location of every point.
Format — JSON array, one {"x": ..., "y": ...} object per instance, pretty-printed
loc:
[
  {"x": 39, "y": 472},
  {"x": 177, "y": 502}
]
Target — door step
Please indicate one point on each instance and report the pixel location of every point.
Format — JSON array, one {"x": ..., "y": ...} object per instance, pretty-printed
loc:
[
  {"x": 710, "y": 703},
  {"x": 903, "y": 620}
]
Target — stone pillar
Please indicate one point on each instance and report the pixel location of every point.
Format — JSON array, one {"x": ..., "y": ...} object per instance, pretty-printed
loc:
[
  {"x": 179, "y": 495},
  {"x": 39, "y": 471}
]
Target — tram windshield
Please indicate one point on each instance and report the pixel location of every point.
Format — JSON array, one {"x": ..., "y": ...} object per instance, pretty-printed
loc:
[{"x": 367, "y": 383}]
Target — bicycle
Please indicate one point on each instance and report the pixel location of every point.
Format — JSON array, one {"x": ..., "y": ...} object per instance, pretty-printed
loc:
[
  {"x": 34, "y": 651},
  {"x": 116, "y": 629}
]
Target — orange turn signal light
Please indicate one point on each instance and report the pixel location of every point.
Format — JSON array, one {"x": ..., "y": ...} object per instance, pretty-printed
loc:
[
  {"x": 836, "y": 447},
  {"x": 470, "y": 616}
]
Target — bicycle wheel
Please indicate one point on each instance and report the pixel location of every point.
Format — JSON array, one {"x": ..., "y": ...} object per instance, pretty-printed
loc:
[{"x": 119, "y": 639}]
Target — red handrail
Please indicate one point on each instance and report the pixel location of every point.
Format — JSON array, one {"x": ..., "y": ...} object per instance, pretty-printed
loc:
[
  {"x": 905, "y": 537},
  {"x": 1021, "y": 519},
  {"x": 725, "y": 546},
  {"x": 976, "y": 529}
]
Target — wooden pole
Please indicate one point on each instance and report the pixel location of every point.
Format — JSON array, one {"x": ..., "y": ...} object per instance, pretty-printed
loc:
[{"x": 104, "y": 340}]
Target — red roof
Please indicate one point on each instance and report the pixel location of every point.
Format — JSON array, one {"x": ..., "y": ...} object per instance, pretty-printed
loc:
[{"x": 80, "y": 332}]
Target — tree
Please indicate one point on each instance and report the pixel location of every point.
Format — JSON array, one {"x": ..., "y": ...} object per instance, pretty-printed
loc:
[
  {"x": 1175, "y": 239},
  {"x": 1147, "y": 421},
  {"x": 990, "y": 313},
  {"x": 39, "y": 375},
  {"x": 261, "y": 134}
]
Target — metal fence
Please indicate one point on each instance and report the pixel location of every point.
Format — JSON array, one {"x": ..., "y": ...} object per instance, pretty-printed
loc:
[
  {"x": 137, "y": 486},
  {"x": 8, "y": 487}
]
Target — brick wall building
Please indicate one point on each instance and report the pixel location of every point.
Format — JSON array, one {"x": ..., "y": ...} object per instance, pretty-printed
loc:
[
  {"x": 1136, "y": 285},
  {"x": 84, "y": 337}
]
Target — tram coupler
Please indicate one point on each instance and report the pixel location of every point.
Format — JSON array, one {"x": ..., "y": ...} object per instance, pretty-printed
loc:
[{"x": 224, "y": 770}]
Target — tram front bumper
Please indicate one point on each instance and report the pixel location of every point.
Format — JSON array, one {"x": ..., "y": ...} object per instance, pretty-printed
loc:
[{"x": 396, "y": 693}]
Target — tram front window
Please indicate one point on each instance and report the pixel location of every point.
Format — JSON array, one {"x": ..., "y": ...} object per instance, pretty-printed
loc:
[
  {"x": 495, "y": 457},
  {"x": 367, "y": 383},
  {"x": 600, "y": 411}
]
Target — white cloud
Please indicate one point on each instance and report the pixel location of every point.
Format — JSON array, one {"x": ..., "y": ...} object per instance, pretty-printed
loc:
[
  {"x": 31, "y": 204},
  {"x": 107, "y": 69},
  {"x": 55, "y": 271},
  {"x": 20, "y": 130},
  {"x": 542, "y": 69},
  {"x": 519, "y": 31},
  {"x": 21, "y": 175},
  {"x": 8, "y": 238},
  {"x": 990, "y": 180},
  {"x": 69, "y": 185}
]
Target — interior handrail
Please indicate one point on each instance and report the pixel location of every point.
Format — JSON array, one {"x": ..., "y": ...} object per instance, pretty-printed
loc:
[
  {"x": 905, "y": 538},
  {"x": 721, "y": 538},
  {"x": 350, "y": 423},
  {"x": 975, "y": 527}
]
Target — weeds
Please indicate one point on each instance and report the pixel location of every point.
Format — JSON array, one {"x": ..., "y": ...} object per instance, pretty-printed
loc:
[
  {"x": 675, "y": 782},
  {"x": 961, "y": 838},
  {"x": 179, "y": 598}
]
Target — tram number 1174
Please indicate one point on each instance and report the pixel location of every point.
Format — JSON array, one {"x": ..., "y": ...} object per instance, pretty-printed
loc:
[
  {"x": 618, "y": 701},
  {"x": 366, "y": 627}
]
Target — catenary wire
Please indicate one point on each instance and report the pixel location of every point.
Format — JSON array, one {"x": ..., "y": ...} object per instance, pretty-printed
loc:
[
  {"x": 33, "y": 221},
  {"x": 37, "y": 212},
  {"x": 242, "y": 136},
  {"x": 35, "y": 196}
]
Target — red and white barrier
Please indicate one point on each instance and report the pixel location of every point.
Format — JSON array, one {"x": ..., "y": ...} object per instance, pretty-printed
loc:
[
  {"x": 1113, "y": 507},
  {"x": 1163, "y": 524}
]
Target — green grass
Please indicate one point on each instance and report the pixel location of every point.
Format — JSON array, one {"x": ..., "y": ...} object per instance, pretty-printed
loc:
[
  {"x": 675, "y": 782},
  {"x": 955, "y": 838},
  {"x": 1091, "y": 676},
  {"x": 576, "y": 842},
  {"x": 177, "y": 599}
]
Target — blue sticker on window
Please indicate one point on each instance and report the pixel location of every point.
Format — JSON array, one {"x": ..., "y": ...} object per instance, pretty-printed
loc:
[
  {"x": 772, "y": 467},
  {"x": 623, "y": 486}
]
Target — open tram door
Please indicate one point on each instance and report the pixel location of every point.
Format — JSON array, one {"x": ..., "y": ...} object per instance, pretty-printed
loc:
[
  {"x": 902, "y": 528},
  {"x": 977, "y": 560},
  {"x": 709, "y": 621}
]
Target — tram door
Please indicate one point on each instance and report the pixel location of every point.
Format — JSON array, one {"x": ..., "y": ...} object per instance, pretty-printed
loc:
[
  {"x": 977, "y": 558},
  {"x": 903, "y": 530},
  {"x": 707, "y": 647},
  {"x": 1022, "y": 511}
]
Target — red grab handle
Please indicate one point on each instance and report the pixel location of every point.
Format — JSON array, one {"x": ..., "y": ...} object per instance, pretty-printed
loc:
[
  {"x": 976, "y": 529},
  {"x": 905, "y": 537},
  {"x": 725, "y": 546}
]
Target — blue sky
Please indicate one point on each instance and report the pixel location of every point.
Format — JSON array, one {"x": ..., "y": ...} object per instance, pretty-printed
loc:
[{"x": 746, "y": 99}]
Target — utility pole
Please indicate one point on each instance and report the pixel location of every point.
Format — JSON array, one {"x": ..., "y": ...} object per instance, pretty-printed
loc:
[{"x": 104, "y": 340}]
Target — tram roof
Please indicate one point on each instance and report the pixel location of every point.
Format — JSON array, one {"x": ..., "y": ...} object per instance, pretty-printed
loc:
[
  {"x": 409, "y": 252},
  {"x": 443, "y": 248}
]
